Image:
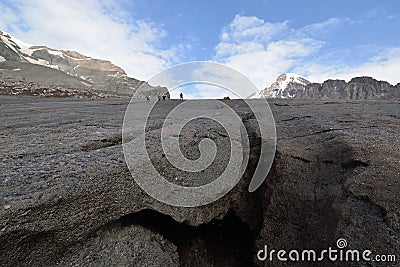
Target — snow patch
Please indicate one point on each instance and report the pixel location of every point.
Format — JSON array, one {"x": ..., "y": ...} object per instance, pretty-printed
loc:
[
  {"x": 11, "y": 42},
  {"x": 86, "y": 84},
  {"x": 55, "y": 52},
  {"x": 113, "y": 75},
  {"x": 77, "y": 59},
  {"x": 40, "y": 62}
]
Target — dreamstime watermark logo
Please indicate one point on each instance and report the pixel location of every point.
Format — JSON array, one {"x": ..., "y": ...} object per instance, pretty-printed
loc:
[
  {"x": 340, "y": 253},
  {"x": 153, "y": 132}
]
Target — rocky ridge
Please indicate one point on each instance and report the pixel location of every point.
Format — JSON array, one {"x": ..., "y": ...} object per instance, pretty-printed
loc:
[{"x": 359, "y": 88}]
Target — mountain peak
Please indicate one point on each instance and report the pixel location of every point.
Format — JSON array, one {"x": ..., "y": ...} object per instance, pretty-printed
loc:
[
  {"x": 292, "y": 78},
  {"x": 286, "y": 85}
]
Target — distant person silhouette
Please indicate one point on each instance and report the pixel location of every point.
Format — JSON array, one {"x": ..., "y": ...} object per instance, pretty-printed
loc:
[
  {"x": 163, "y": 97},
  {"x": 181, "y": 95},
  {"x": 148, "y": 98}
]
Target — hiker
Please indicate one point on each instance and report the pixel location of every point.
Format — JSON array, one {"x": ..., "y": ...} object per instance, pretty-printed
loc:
[
  {"x": 148, "y": 98},
  {"x": 181, "y": 95},
  {"x": 163, "y": 97}
]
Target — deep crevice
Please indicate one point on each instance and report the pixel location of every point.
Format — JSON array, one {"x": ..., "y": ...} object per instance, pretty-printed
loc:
[{"x": 226, "y": 242}]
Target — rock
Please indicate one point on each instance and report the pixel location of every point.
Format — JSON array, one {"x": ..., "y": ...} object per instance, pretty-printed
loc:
[
  {"x": 330, "y": 89},
  {"x": 335, "y": 176},
  {"x": 10, "y": 85},
  {"x": 122, "y": 246},
  {"x": 366, "y": 88},
  {"x": 341, "y": 182},
  {"x": 359, "y": 88}
]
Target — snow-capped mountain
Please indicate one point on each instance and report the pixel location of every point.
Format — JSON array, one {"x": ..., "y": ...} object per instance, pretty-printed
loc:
[
  {"x": 290, "y": 85},
  {"x": 285, "y": 86},
  {"x": 87, "y": 68},
  {"x": 24, "y": 61}
]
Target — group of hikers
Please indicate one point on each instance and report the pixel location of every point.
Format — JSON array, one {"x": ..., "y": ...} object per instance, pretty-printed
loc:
[{"x": 164, "y": 96}]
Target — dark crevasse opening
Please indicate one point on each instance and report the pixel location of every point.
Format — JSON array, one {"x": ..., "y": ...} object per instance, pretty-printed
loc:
[{"x": 226, "y": 242}]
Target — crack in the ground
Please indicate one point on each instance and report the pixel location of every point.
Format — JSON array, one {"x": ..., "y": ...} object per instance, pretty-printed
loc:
[
  {"x": 226, "y": 242},
  {"x": 296, "y": 118}
]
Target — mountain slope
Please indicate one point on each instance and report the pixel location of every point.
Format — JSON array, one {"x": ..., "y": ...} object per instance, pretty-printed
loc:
[
  {"x": 25, "y": 71},
  {"x": 45, "y": 65}
]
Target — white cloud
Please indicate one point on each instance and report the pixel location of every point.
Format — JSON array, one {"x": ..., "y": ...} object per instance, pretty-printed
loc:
[
  {"x": 251, "y": 28},
  {"x": 95, "y": 28},
  {"x": 247, "y": 34},
  {"x": 8, "y": 18},
  {"x": 262, "y": 50},
  {"x": 316, "y": 29}
]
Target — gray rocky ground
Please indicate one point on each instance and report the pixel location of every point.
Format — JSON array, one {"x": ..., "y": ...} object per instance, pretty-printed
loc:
[{"x": 67, "y": 197}]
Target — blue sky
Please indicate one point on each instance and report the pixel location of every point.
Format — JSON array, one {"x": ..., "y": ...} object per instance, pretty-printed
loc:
[{"x": 261, "y": 38}]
